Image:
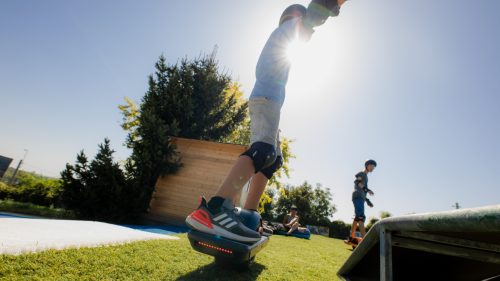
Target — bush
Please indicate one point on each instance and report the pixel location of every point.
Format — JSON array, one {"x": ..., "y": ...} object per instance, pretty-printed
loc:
[
  {"x": 339, "y": 229},
  {"x": 100, "y": 189},
  {"x": 32, "y": 188}
]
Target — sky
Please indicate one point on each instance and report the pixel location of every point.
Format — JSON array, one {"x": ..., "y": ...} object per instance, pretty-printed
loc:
[{"x": 413, "y": 85}]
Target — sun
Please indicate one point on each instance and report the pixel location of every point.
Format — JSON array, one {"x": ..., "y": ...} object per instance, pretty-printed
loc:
[{"x": 295, "y": 50}]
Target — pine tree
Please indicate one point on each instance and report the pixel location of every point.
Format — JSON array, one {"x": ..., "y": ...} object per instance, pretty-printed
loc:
[
  {"x": 100, "y": 190},
  {"x": 191, "y": 99}
]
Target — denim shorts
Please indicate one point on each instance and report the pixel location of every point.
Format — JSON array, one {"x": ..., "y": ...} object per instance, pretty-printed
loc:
[
  {"x": 359, "y": 206},
  {"x": 265, "y": 121}
]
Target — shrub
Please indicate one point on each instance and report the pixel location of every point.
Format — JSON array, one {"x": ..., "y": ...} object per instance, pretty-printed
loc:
[
  {"x": 32, "y": 188},
  {"x": 339, "y": 229}
]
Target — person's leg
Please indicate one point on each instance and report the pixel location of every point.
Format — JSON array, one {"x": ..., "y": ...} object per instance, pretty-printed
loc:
[
  {"x": 238, "y": 176},
  {"x": 359, "y": 210},
  {"x": 257, "y": 186},
  {"x": 260, "y": 179},
  {"x": 294, "y": 226},
  {"x": 353, "y": 228},
  {"x": 295, "y": 220},
  {"x": 265, "y": 115},
  {"x": 217, "y": 217}
]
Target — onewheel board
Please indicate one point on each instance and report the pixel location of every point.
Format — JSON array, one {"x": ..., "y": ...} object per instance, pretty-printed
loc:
[{"x": 232, "y": 251}]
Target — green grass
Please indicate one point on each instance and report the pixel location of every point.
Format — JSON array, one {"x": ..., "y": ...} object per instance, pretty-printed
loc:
[
  {"x": 285, "y": 258},
  {"x": 31, "y": 209}
]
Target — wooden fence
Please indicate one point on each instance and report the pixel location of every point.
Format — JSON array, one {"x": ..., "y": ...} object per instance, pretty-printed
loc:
[{"x": 206, "y": 165}]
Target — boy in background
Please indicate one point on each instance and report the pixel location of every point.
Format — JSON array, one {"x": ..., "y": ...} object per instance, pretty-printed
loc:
[{"x": 359, "y": 199}]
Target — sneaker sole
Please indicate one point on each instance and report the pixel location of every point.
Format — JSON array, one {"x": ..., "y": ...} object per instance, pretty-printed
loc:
[{"x": 218, "y": 231}]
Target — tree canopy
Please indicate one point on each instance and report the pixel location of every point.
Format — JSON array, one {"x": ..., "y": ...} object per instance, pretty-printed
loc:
[{"x": 313, "y": 204}]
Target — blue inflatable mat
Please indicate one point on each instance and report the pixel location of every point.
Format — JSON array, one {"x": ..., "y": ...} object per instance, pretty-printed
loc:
[
  {"x": 305, "y": 233},
  {"x": 161, "y": 229}
]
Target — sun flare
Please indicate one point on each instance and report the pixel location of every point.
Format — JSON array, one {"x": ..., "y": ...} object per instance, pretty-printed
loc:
[{"x": 295, "y": 50}]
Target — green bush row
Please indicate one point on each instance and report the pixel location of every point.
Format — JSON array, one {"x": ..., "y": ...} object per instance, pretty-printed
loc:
[{"x": 32, "y": 188}]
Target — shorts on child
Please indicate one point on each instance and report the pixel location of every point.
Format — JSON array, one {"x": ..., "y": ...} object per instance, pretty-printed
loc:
[
  {"x": 359, "y": 206},
  {"x": 265, "y": 120}
]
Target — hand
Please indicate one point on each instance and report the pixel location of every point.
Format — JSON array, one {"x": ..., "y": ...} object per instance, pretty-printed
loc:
[
  {"x": 371, "y": 193},
  {"x": 370, "y": 204}
]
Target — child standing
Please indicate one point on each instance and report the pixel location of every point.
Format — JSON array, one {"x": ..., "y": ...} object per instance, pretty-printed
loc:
[
  {"x": 359, "y": 199},
  {"x": 217, "y": 217}
]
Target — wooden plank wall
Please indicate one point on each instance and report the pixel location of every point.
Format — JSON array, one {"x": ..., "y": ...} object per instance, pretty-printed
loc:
[{"x": 206, "y": 165}]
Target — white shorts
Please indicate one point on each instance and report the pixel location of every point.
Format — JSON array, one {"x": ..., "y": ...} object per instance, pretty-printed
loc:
[{"x": 265, "y": 121}]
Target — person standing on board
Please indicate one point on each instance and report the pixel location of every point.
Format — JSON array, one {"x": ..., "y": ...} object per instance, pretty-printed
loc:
[
  {"x": 359, "y": 199},
  {"x": 217, "y": 217}
]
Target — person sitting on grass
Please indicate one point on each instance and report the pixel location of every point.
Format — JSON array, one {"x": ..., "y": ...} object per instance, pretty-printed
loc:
[{"x": 291, "y": 221}]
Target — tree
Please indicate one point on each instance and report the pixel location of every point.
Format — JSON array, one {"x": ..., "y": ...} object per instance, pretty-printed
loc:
[
  {"x": 100, "y": 189},
  {"x": 313, "y": 204},
  {"x": 339, "y": 229},
  {"x": 268, "y": 206},
  {"x": 371, "y": 223},
  {"x": 384, "y": 215}
]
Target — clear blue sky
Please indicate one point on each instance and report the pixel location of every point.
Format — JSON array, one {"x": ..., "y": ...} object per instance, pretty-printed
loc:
[{"x": 413, "y": 85}]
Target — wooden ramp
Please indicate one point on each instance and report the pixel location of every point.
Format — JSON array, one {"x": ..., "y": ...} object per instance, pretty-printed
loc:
[{"x": 206, "y": 165}]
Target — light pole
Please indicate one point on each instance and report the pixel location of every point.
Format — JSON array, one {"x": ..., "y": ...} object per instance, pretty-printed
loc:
[
  {"x": 18, "y": 166},
  {"x": 25, "y": 154}
]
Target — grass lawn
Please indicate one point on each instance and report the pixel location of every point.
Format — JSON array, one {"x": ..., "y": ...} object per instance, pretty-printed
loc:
[
  {"x": 285, "y": 258},
  {"x": 31, "y": 209}
]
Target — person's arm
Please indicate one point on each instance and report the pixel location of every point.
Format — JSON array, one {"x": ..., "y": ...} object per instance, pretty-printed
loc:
[
  {"x": 340, "y": 2},
  {"x": 359, "y": 181},
  {"x": 368, "y": 202}
]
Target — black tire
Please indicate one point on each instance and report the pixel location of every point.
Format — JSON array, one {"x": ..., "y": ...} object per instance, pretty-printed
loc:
[{"x": 241, "y": 267}]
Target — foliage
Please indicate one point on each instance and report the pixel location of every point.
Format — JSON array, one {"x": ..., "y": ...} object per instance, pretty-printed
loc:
[
  {"x": 130, "y": 114},
  {"x": 31, "y": 209},
  {"x": 371, "y": 223},
  {"x": 192, "y": 99},
  {"x": 267, "y": 205},
  {"x": 241, "y": 135},
  {"x": 20, "y": 173},
  {"x": 100, "y": 190},
  {"x": 339, "y": 229},
  {"x": 384, "y": 215},
  {"x": 318, "y": 258},
  {"x": 313, "y": 204},
  {"x": 33, "y": 188}
]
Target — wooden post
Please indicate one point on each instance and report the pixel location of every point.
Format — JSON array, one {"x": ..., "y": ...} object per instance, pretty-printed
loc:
[{"x": 385, "y": 255}]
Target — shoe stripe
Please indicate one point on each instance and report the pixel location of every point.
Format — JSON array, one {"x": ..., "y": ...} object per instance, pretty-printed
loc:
[
  {"x": 220, "y": 217},
  {"x": 231, "y": 224},
  {"x": 225, "y": 221}
]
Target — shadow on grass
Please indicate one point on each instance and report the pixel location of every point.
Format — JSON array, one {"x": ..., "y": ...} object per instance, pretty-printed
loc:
[{"x": 215, "y": 271}]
